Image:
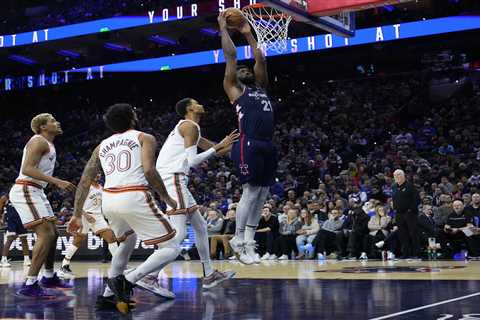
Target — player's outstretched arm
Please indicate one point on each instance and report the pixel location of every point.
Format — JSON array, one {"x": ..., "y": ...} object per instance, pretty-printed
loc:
[
  {"x": 36, "y": 148},
  {"x": 92, "y": 168},
  {"x": 231, "y": 84},
  {"x": 206, "y": 144},
  {"x": 260, "y": 68},
  {"x": 149, "y": 146},
  {"x": 190, "y": 134}
]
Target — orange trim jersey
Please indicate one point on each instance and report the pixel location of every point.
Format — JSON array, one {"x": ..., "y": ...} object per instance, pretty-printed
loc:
[
  {"x": 46, "y": 164},
  {"x": 121, "y": 159}
]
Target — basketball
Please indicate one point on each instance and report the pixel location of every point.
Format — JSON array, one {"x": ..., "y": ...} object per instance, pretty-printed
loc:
[{"x": 235, "y": 18}]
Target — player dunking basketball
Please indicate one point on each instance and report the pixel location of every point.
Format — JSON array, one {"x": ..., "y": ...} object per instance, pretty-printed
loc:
[
  {"x": 128, "y": 162},
  {"x": 28, "y": 198},
  {"x": 254, "y": 156},
  {"x": 177, "y": 156}
]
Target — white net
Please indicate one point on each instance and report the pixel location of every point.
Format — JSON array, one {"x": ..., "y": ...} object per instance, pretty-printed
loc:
[{"x": 270, "y": 25}]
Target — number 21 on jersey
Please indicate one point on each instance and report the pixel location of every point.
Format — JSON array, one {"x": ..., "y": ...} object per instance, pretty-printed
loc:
[{"x": 267, "y": 105}]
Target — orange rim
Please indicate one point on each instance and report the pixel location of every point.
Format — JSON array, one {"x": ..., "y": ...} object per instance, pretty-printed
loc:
[{"x": 262, "y": 6}]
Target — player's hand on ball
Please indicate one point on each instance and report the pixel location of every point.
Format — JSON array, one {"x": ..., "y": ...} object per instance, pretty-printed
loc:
[
  {"x": 222, "y": 20},
  {"x": 75, "y": 225}
]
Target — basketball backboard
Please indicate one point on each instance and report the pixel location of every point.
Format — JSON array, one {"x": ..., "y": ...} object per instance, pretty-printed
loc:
[{"x": 335, "y": 16}]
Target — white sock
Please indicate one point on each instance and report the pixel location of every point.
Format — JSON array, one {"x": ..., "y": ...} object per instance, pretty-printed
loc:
[
  {"x": 26, "y": 257},
  {"x": 4, "y": 259},
  {"x": 70, "y": 252},
  {"x": 255, "y": 214},
  {"x": 107, "y": 292},
  {"x": 156, "y": 261},
  {"x": 112, "y": 247},
  {"x": 201, "y": 239},
  {"x": 31, "y": 280},
  {"x": 48, "y": 273},
  {"x": 250, "y": 233}
]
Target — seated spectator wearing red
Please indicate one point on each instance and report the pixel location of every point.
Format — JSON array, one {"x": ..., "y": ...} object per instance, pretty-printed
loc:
[
  {"x": 226, "y": 233},
  {"x": 285, "y": 243},
  {"x": 455, "y": 236},
  {"x": 267, "y": 234}
]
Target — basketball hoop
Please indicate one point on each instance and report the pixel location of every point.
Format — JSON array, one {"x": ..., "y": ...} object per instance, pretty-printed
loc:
[{"x": 270, "y": 25}]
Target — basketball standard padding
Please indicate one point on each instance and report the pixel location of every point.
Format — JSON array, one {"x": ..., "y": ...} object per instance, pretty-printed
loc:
[
  {"x": 326, "y": 8},
  {"x": 235, "y": 18}
]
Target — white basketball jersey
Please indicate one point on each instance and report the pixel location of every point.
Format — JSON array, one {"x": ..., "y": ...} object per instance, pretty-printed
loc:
[
  {"x": 46, "y": 164},
  {"x": 173, "y": 157},
  {"x": 121, "y": 159},
  {"x": 93, "y": 203}
]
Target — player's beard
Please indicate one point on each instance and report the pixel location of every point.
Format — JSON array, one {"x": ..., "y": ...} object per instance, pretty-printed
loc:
[{"x": 248, "y": 81}]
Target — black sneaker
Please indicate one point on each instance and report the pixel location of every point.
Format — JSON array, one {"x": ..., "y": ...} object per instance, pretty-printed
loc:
[
  {"x": 123, "y": 290},
  {"x": 105, "y": 303}
]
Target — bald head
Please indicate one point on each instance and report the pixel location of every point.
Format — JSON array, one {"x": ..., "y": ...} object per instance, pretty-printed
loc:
[{"x": 399, "y": 176}]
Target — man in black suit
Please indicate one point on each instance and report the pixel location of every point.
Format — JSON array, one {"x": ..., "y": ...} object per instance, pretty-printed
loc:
[
  {"x": 405, "y": 203},
  {"x": 427, "y": 226}
]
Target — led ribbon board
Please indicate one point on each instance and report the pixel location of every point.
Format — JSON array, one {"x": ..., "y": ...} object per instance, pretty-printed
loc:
[
  {"x": 159, "y": 15},
  {"x": 299, "y": 45}
]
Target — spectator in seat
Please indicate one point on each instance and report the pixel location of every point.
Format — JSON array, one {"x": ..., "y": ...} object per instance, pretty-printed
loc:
[
  {"x": 355, "y": 229},
  {"x": 334, "y": 162},
  {"x": 378, "y": 231},
  {"x": 466, "y": 199},
  {"x": 289, "y": 226},
  {"x": 226, "y": 233},
  {"x": 392, "y": 241},
  {"x": 473, "y": 210},
  {"x": 455, "y": 236},
  {"x": 267, "y": 234},
  {"x": 327, "y": 236},
  {"x": 444, "y": 210},
  {"x": 474, "y": 180},
  {"x": 446, "y": 149},
  {"x": 427, "y": 226},
  {"x": 214, "y": 222},
  {"x": 306, "y": 234}
]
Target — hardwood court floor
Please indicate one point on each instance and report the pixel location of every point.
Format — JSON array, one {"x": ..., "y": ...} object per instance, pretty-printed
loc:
[{"x": 272, "y": 290}]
